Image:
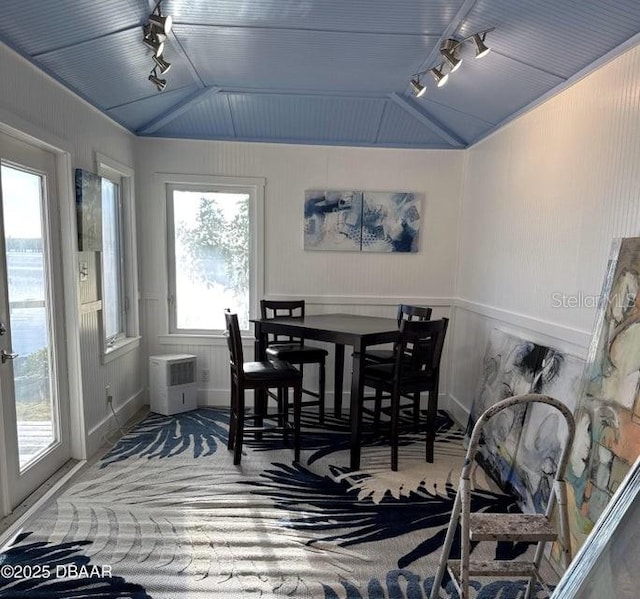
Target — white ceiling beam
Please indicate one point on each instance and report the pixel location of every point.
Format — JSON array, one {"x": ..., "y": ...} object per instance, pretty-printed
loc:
[
  {"x": 427, "y": 120},
  {"x": 177, "y": 110}
]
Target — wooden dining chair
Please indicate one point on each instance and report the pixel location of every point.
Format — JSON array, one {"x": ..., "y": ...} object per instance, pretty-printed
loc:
[
  {"x": 405, "y": 312},
  {"x": 388, "y": 356},
  {"x": 272, "y": 374},
  {"x": 416, "y": 369},
  {"x": 295, "y": 350}
]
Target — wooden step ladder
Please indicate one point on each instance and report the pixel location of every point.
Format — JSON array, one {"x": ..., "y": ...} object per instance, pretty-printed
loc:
[{"x": 526, "y": 528}]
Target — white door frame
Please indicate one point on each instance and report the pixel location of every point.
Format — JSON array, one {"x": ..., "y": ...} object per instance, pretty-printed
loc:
[{"x": 22, "y": 130}]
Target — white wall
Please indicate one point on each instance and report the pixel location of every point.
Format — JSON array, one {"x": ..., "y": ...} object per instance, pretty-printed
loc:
[
  {"x": 543, "y": 199},
  {"x": 330, "y": 281},
  {"x": 35, "y": 104}
]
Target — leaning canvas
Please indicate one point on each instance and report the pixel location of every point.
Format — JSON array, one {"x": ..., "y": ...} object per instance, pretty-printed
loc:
[
  {"x": 520, "y": 447},
  {"x": 355, "y": 221},
  {"x": 608, "y": 414}
]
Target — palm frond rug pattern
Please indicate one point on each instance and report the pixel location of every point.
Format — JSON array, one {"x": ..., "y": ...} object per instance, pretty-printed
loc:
[{"x": 166, "y": 514}]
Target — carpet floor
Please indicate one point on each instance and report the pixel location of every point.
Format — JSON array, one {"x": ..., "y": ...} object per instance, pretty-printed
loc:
[{"x": 165, "y": 514}]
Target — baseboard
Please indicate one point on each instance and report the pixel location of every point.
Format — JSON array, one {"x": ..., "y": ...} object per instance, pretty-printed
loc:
[
  {"x": 125, "y": 411},
  {"x": 12, "y": 530},
  {"x": 455, "y": 408}
]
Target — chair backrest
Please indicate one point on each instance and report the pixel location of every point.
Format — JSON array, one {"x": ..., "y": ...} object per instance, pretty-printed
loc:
[
  {"x": 408, "y": 312},
  {"x": 276, "y": 309},
  {"x": 234, "y": 341},
  {"x": 420, "y": 347}
]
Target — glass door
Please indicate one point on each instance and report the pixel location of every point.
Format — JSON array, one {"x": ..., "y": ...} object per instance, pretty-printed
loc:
[{"x": 34, "y": 415}]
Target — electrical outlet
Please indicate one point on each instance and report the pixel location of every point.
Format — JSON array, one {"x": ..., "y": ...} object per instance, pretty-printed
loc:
[
  {"x": 206, "y": 375},
  {"x": 107, "y": 394}
]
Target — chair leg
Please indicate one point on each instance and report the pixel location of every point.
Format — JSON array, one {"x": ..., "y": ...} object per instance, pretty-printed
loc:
[
  {"x": 321, "y": 390},
  {"x": 261, "y": 400},
  {"x": 232, "y": 418},
  {"x": 283, "y": 408},
  {"x": 237, "y": 450},
  {"x": 416, "y": 411},
  {"x": 377, "y": 411},
  {"x": 297, "y": 401},
  {"x": 395, "y": 417},
  {"x": 282, "y": 399},
  {"x": 432, "y": 411}
]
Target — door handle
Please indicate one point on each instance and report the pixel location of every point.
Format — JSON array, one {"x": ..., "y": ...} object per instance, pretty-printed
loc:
[{"x": 4, "y": 356}]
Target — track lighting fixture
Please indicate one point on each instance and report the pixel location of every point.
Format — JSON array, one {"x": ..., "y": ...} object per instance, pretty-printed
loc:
[
  {"x": 159, "y": 83},
  {"x": 481, "y": 48},
  {"x": 160, "y": 23},
  {"x": 449, "y": 50},
  {"x": 162, "y": 64},
  {"x": 156, "y": 31},
  {"x": 418, "y": 88},
  {"x": 151, "y": 41},
  {"x": 440, "y": 77}
]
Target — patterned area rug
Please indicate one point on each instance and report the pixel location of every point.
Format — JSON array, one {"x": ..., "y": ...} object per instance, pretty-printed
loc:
[{"x": 166, "y": 514}]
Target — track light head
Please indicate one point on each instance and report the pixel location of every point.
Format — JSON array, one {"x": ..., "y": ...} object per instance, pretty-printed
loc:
[
  {"x": 159, "y": 83},
  {"x": 151, "y": 40},
  {"x": 161, "y": 24},
  {"x": 162, "y": 64},
  {"x": 449, "y": 52},
  {"x": 418, "y": 88},
  {"x": 440, "y": 77},
  {"x": 481, "y": 48}
]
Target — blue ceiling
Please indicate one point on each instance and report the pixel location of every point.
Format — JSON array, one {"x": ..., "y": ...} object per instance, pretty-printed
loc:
[{"x": 318, "y": 71}]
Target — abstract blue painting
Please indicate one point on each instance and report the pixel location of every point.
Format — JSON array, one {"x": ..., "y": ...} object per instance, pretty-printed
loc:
[
  {"x": 333, "y": 220},
  {"x": 355, "y": 221},
  {"x": 390, "y": 222}
]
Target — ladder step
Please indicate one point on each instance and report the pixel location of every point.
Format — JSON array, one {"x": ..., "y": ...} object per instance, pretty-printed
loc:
[
  {"x": 511, "y": 527},
  {"x": 496, "y": 568}
]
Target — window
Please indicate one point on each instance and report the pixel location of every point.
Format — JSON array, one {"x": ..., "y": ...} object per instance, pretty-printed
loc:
[
  {"x": 119, "y": 322},
  {"x": 113, "y": 298},
  {"x": 213, "y": 236}
]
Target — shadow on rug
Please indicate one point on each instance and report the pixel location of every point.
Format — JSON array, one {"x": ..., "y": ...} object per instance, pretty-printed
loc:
[{"x": 166, "y": 514}]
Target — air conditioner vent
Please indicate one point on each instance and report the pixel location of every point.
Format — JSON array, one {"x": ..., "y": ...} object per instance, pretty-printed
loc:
[{"x": 182, "y": 373}]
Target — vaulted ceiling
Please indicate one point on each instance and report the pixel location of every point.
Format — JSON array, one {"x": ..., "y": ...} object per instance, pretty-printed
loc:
[{"x": 319, "y": 71}]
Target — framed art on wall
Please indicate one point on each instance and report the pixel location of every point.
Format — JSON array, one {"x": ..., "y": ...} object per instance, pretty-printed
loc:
[
  {"x": 89, "y": 210},
  {"x": 362, "y": 221}
]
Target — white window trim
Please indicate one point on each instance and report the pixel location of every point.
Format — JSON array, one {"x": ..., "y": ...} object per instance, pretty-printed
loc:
[
  {"x": 255, "y": 187},
  {"x": 110, "y": 168}
]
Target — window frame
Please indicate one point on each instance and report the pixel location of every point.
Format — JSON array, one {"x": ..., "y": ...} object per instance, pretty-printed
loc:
[
  {"x": 254, "y": 188},
  {"x": 113, "y": 340},
  {"x": 129, "y": 340}
]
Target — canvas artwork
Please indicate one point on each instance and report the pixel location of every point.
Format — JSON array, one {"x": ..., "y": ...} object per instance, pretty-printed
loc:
[
  {"x": 606, "y": 565},
  {"x": 521, "y": 446},
  {"x": 357, "y": 221},
  {"x": 607, "y": 424},
  {"x": 89, "y": 211}
]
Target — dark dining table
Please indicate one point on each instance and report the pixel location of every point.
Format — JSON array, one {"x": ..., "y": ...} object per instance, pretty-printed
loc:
[{"x": 354, "y": 330}]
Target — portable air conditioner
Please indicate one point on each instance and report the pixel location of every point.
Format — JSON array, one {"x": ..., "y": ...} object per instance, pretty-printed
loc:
[{"x": 172, "y": 383}]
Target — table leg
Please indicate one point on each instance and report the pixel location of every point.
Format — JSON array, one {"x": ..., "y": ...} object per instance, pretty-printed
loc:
[
  {"x": 337, "y": 385},
  {"x": 355, "y": 413}
]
